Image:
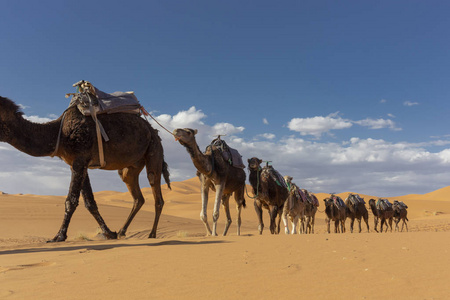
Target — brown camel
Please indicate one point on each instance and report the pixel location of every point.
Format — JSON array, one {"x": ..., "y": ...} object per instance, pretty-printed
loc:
[
  {"x": 268, "y": 193},
  {"x": 218, "y": 175},
  {"x": 310, "y": 212},
  {"x": 356, "y": 210},
  {"x": 400, "y": 214},
  {"x": 385, "y": 216},
  {"x": 336, "y": 213},
  {"x": 132, "y": 144},
  {"x": 294, "y": 208}
]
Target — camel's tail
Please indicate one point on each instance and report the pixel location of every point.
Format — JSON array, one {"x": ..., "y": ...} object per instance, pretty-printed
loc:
[
  {"x": 166, "y": 174},
  {"x": 244, "y": 205}
]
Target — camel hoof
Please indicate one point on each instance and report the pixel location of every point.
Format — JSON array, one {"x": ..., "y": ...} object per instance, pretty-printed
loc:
[
  {"x": 58, "y": 238},
  {"x": 112, "y": 235},
  {"x": 152, "y": 235}
]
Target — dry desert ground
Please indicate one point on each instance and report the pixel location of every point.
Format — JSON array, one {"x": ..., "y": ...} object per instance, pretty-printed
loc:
[{"x": 182, "y": 263}]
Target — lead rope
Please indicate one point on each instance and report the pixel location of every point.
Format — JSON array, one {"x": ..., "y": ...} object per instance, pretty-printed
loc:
[
  {"x": 146, "y": 113},
  {"x": 257, "y": 186}
]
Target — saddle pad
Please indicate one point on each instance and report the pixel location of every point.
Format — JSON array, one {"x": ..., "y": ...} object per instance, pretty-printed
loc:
[{"x": 117, "y": 102}]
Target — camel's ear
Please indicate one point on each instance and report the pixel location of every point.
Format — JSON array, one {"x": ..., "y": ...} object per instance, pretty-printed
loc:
[
  {"x": 248, "y": 160},
  {"x": 195, "y": 131},
  {"x": 259, "y": 161}
]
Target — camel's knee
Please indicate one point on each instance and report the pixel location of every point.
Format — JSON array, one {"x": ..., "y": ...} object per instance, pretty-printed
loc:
[
  {"x": 71, "y": 203},
  {"x": 203, "y": 217},
  {"x": 215, "y": 216}
]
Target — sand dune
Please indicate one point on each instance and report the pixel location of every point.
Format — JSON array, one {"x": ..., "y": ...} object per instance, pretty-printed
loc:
[{"x": 184, "y": 264}]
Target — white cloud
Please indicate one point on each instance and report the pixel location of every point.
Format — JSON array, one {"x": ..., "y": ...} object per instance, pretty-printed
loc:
[
  {"x": 265, "y": 121},
  {"x": 226, "y": 129},
  {"x": 318, "y": 125},
  {"x": 37, "y": 119},
  {"x": 378, "y": 124},
  {"x": 269, "y": 136},
  {"x": 409, "y": 103},
  {"x": 383, "y": 101}
]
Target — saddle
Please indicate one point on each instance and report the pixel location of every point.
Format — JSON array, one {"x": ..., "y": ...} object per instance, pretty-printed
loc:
[
  {"x": 338, "y": 202},
  {"x": 400, "y": 204},
  {"x": 311, "y": 198},
  {"x": 383, "y": 204},
  {"x": 269, "y": 171},
  {"x": 355, "y": 199},
  {"x": 229, "y": 154},
  {"x": 90, "y": 101}
]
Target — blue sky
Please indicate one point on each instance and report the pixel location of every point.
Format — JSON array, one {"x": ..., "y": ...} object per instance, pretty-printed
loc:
[{"x": 341, "y": 95}]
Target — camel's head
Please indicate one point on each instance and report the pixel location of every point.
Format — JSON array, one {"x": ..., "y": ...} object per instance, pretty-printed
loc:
[
  {"x": 253, "y": 163},
  {"x": 328, "y": 202},
  {"x": 9, "y": 112},
  {"x": 372, "y": 202},
  {"x": 185, "y": 136}
]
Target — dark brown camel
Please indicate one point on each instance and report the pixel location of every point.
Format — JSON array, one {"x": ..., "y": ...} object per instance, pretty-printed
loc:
[
  {"x": 310, "y": 212},
  {"x": 400, "y": 214},
  {"x": 335, "y": 213},
  {"x": 215, "y": 174},
  {"x": 356, "y": 211},
  {"x": 385, "y": 216},
  {"x": 132, "y": 144},
  {"x": 268, "y": 194}
]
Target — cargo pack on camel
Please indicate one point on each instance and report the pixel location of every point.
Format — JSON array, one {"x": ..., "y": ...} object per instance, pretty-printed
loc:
[{"x": 91, "y": 102}]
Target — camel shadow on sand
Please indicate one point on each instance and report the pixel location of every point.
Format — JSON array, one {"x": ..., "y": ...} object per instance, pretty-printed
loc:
[{"x": 99, "y": 246}]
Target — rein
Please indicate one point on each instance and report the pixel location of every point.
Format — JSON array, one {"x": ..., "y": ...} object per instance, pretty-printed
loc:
[{"x": 257, "y": 184}]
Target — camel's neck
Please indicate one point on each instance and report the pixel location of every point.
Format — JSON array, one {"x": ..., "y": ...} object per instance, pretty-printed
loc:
[
  {"x": 32, "y": 138},
  {"x": 255, "y": 179},
  {"x": 201, "y": 161}
]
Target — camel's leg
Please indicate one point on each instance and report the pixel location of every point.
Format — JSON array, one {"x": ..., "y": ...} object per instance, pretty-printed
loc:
[
  {"x": 390, "y": 224},
  {"x": 286, "y": 223},
  {"x": 79, "y": 171},
  {"x": 258, "y": 209},
  {"x": 328, "y": 221},
  {"x": 226, "y": 206},
  {"x": 240, "y": 201},
  {"x": 219, "y": 193},
  {"x": 375, "y": 223},
  {"x": 280, "y": 211},
  {"x": 130, "y": 176},
  {"x": 406, "y": 224},
  {"x": 366, "y": 220},
  {"x": 352, "y": 221},
  {"x": 295, "y": 224},
  {"x": 359, "y": 223},
  {"x": 155, "y": 183},
  {"x": 203, "y": 214},
  {"x": 273, "y": 212},
  {"x": 91, "y": 205},
  {"x": 336, "y": 226}
]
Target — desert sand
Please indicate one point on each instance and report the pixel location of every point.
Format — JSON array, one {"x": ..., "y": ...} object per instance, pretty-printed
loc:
[{"x": 182, "y": 263}]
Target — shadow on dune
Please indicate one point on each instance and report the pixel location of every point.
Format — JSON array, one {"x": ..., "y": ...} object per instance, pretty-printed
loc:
[{"x": 99, "y": 247}]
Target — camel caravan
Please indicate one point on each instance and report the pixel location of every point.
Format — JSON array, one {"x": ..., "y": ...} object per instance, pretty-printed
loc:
[{"x": 107, "y": 131}]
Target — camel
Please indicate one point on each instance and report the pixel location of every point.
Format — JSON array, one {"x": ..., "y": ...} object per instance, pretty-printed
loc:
[
  {"x": 336, "y": 213},
  {"x": 356, "y": 211},
  {"x": 132, "y": 144},
  {"x": 294, "y": 207},
  {"x": 268, "y": 194},
  {"x": 310, "y": 213},
  {"x": 218, "y": 175},
  {"x": 400, "y": 214},
  {"x": 384, "y": 216}
]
